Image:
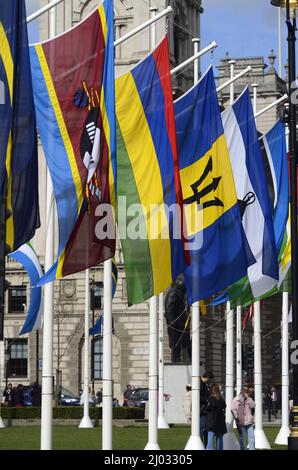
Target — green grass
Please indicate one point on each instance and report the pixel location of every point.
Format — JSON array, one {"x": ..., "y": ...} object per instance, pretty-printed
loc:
[{"x": 73, "y": 438}]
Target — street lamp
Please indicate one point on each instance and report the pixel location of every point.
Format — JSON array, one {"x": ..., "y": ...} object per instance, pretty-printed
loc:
[{"x": 291, "y": 7}]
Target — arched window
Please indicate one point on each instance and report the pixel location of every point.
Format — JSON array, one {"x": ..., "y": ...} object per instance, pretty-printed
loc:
[{"x": 97, "y": 358}]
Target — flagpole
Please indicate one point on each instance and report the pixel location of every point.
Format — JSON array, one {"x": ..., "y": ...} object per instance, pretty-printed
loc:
[
  {"x": 107, "y": 376},
  {"x": 47, "y": 359},
  {"x": 230, "y": 441},
  {"x": 43, "y": 10},
  {"x": 234, "y": 78},
  {"x": 238, "y": 349},
  {"x": 194, "y": 442},
  {"x": 152, "y": 443},
  {"x": 280, "y": 42},
  {"x": 261, "y": 441},
  {"x": 162, "y": 422},
  {"x": 86, "y": 421},
  {"x": 284, "y": 432}
]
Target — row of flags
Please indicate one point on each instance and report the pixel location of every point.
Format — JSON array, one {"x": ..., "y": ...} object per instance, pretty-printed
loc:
[{"x": 107, "y": 141}]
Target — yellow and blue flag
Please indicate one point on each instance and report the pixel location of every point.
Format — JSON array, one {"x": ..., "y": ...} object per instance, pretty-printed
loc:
[
  {"x": 18, "y": 139},
  {"x": 219, "y": 253}
]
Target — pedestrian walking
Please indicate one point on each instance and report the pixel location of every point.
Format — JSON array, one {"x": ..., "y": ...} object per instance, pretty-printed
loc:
[
  {"x": 215, "y": 418},
  {"x": 243, "y": 409},
  {"x": 204, "y": 395}
]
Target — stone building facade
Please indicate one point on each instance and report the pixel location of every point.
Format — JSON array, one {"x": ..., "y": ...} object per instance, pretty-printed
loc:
[{"x": 130, "y": 340}]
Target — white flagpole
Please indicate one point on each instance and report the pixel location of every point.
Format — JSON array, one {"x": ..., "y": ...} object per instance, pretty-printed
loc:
[
  {"x": 162, "y": 422},
  {"x": 280, "y": 42},
  {"x": 86, "y": 421},
  {"x": 284, "y": 432},
  {"x": 230, "y": 441},
  {"x": 234, "y": 78},
  {"x": 194, "y": 442},
  {"x": 261, "y": 441},
  {"x": 272, "y": 105},
  {"x": 47, "y": 359},
  {"x": 107, "y": 377},
  {"x": 152, "y": 443},
  {"x": 238, "y": 349},
  {"x": 194, "y": 58},
  {"x": 43, "y": 10}
]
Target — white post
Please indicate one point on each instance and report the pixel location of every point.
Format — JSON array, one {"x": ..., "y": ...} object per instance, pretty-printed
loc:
[
  {"x": 43, "y": 10},
  {"x": 232, "y": 91},
  {"x": 284, "y": 432},
  {"x": 280, "y": 42},
  {"x": 261, "y": 441},
  {"x": 234, "y": 78},
  {"x": 107, "y": 377},
  {"x": 2, "y": 361},
  {"x": 47, "y": 355},
  {"x": 238, "y": 349},
  {"x": 162, "y": 422},
  {"x": 86, "y": 421},
  {"x": 193, "y": 58},
  {"x": 194, "y": 442},
  {"x": 275, "y": 103},
  {"x": 152, "y": 443},
  {"x": 230, "y": 441}
]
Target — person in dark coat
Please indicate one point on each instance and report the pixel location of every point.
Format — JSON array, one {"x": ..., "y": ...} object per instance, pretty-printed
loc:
[
  {"x": 215, "y": 419},
  {"x": 36, "y": 394},
  {"x": 19, "y": 396},
  {"x": 9, "y": 395},
  {"x": 204, "y": 395}
]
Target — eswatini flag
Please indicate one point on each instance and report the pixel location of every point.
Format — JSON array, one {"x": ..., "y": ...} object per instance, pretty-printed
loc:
[
  {"x": 148, "y": 178},
  {"x": 73, "y": 84}
]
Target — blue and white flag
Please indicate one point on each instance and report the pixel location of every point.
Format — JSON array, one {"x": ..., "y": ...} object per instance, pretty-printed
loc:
[
  {"x": 28, "y": 258},
  {"x": 252, "y": 192},
  {"x": 276, "y": 152}
]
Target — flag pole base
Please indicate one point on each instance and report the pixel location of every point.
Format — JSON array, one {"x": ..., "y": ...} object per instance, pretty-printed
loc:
[
  {"x": 2, "y": 425},
  {"x": 86, "y": 423},
  {"x": 194, "y": 443},
  {"x": 261, "y": 441},
  {"x": 162, "y": 423},
  {"x": 230, "y": 441},
  {"x": 282, "y": 436},
  {"x": 152, "y": 446}
]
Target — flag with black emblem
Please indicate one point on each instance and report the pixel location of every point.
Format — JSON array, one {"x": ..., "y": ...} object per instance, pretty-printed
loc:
[{"x": 218, "y": 248}]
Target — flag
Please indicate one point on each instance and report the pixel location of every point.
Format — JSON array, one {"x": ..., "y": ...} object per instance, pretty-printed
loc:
[
  {"x": 73, "y": 82},
  {"x": 148, "y": 178},
  {"x": 275, "y": 158},
  {"x": 97, "y": 327},
  {"x": 249, "y": 314},
  {"x": 29, "y": 260},
  {"x": 220, "y": 254},
  {"x": 18, "y": 138},
  {"x": 253, "y": 196}
]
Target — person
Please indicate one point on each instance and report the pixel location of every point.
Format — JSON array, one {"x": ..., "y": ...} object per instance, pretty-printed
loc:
[
  {"x": 242, "y": 410},
  {"x": 126, "y": 393},
  {"x": 274, "y": 398},
  {"x": 9, "y": 395},
  {"x": 19, "y": 396},
  {"x": 36, "y": 394},
  {"x": 215, "y": 418},
  {"x": 204, "y": 395},
  {"x": 99, "y": 396},
  {"x": 187, "y": 403}
]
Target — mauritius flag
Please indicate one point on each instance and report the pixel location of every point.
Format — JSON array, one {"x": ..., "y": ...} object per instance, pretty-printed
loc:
[
  {"x": 73, "y": 82},
  {"x": 148, "y": 177}
]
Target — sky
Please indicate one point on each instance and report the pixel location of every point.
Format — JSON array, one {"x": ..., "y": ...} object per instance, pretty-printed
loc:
[
  {"x": 31, "y": 7},
  {"x": 242, "y": 28}
]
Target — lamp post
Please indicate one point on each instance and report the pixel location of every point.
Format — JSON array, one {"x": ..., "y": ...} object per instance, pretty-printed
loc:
[{"x": 291, "y": 7}]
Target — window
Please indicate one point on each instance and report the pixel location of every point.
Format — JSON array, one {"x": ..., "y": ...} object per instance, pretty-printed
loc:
[
  {"x": 96, "y": 296},
  {"x": 17, "y": 297},
  {"x": 17, "y": 355},
  {"x": 97, "y": 365}
]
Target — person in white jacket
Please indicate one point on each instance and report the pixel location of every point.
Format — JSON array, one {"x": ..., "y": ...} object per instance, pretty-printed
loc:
[{"x": 187, "y": 404}]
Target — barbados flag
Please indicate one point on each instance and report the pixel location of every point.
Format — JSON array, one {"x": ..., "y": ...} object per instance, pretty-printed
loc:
[
  {"x": 219, "y": 253},
  {"x": 149, "y": 191},
  {"x": 73, "y": 82},
  {"x": 18, "y": 139}
]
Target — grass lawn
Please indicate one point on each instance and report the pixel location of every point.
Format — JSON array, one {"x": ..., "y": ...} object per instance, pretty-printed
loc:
[{"x": 73, "y": 438}]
